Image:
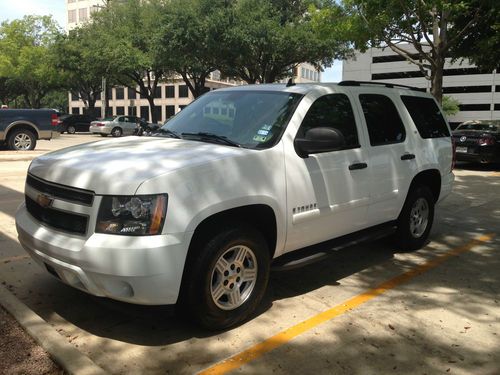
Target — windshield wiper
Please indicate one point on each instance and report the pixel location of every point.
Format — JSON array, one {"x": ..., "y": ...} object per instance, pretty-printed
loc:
[
  {"x": 212, "y": 137},
  {"x": 169, "y": 132}
]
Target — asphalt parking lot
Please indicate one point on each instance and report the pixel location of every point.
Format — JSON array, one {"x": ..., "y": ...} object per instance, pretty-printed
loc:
[{"x": 366, "y": 310}]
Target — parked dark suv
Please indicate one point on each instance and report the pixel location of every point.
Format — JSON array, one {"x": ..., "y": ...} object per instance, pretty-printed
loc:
[{"x": 75, "y": 123}]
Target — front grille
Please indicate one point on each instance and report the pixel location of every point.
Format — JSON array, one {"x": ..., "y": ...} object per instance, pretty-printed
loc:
[
  {"x": 65, "y": 221},
  {"x": 60, "y": 191}
]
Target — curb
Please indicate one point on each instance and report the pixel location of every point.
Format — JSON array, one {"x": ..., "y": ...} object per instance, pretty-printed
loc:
[
  {"x": 66, "y": 355},
  {"x": 21, "y": 158}
]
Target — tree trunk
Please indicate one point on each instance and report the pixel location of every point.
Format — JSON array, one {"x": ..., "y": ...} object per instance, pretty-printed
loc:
[{"x": 152, "y": 108}]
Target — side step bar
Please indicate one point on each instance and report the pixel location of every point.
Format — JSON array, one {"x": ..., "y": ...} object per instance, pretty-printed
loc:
[{"x": 315, "y": 253}]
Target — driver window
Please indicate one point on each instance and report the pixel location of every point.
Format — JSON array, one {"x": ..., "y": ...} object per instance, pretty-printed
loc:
[
  {"x": 121, "y": 119},
  {"x": 332, "y": 111}
]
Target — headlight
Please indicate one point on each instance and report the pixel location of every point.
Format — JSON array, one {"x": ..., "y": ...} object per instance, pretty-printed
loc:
[{"x": 136, "y": 215}]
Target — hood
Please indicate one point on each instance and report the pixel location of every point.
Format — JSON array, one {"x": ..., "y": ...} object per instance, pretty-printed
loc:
[{"x": 119, "y": 166}]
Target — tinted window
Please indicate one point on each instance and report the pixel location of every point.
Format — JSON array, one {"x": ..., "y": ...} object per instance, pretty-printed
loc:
[
  {"x": 131, "y": 93},
  {"x": 332, "y": 111},
  {"x": 426, "y": 115},
  {"x": 382, "y": 119}
]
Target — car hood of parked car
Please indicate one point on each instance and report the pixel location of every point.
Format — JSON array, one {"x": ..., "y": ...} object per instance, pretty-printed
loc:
[{"x": 119, "y": 166}]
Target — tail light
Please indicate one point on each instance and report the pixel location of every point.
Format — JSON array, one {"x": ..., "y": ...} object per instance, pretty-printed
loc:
[
  {"x": 453, "y": 154},
  {"x": 486, "y": 141},
  {"x": 54, "y": 120},
  {"x": 99, "y": 124}
]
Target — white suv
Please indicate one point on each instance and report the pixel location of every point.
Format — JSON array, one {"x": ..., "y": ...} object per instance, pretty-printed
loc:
[{"x": 243, "y": 180}]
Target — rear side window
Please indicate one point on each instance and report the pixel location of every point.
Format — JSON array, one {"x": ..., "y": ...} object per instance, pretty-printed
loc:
[
  {"x": 426, "y": 115},
  {"x": 332, "y": 111},
  {"x": 382, "y": 119}
]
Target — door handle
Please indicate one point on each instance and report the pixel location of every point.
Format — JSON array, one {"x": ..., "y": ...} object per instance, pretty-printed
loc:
[
  {"x": 407, "y": 156},
  {"x": 357, "y": 166}
]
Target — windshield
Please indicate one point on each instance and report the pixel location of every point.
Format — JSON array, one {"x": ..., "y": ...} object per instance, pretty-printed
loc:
[
  {"x": 252, "y": 119},
  {"x": 479, "y": 126}
]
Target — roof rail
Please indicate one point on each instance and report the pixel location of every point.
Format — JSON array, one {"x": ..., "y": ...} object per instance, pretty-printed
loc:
[{"x": 389, "y": 85}]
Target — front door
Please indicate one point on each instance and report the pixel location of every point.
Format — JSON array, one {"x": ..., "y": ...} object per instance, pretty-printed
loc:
[{"x": 327, "y": 193}]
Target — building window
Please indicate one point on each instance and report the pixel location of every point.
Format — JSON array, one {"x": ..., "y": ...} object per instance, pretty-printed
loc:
[
  {"x": 72, "y": 16},
  {"x": 120, "y": 111},
  {"x": 183, "y": 91},
  {"x": 181, "y": 107},
  {"x": 132, "y": 111},
  {"x": 145, "y": 112},
  {"x": 382, "y": 120},
  {"x": 119, "y": 94},
  {"x": 158, "y": 92},
  {"x": 131, "y": 93},
  {"x": 141, "y": 95},
  {"x": 169, "y": 111},
  {"x": 497, "y": 107},
  {"x": 157, "y": 112},
  {"x": 303, "y": 72},
  {"x": 82, "y": 15},
  {"x": 170, "y": 91},
  {"x": 75, "y": 97},
  {"x": 474, "y": 107},
  {"x": 466, "y": 89},
  {"x": 75, "y": 111}
]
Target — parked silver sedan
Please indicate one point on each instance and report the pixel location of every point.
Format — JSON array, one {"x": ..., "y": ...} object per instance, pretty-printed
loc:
[{"x": 116, "y": 126}]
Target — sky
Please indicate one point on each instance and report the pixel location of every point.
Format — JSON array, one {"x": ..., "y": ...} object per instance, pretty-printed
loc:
[{"x": 12, "y": 9}]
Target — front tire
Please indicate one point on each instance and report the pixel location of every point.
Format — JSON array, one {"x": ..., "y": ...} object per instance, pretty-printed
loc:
[
  {"x": 415, "y": 220},
  {"x": 227, "y": 278},
  {"x": 71, "y": 129},
  {"x": 21, "y": 140}
]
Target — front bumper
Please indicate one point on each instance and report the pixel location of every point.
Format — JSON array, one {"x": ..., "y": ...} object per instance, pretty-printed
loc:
[
  {"x": 144, "y": 270},
  {"x": 99, "y": 130}
]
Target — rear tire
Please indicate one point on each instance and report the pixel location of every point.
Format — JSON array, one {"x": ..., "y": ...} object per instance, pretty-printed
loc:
[
  {"x": 415, "y": 220},
  {"x": 116, "y": 132},
  {"x": 226, "y": 279},
  {"x": 71, "y": 129},
  {"x": 21, "y": 140}
]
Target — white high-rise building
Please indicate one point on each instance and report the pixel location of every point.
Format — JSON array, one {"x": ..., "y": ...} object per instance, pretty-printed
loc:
[
  {"x": 79, "y": 11},
  {"x": 478, "y": 92}
]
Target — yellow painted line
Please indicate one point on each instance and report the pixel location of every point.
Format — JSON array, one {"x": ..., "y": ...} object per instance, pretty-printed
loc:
[
  {"x": 14, "y": 259},
  {"x": 287, "y": 335}
]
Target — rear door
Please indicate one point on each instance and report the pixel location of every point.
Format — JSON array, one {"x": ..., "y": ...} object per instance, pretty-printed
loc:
[
  {"x": 392, "y": 158},
  {"x": 327, "y": 193}
]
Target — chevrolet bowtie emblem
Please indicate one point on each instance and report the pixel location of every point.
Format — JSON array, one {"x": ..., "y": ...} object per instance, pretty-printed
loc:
[
  {"x": 44, "y": 200},
  {"x": 463, "y": 138}
]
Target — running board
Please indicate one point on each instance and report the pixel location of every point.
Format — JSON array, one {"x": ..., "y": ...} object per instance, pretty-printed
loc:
[{"x": 315, "y": 253}]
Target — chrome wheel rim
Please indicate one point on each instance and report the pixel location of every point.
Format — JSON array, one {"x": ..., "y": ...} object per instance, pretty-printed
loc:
[
  {"x": 71, "y": 129},
  {"x": 22, "y": 141},
  {"x": 233, "y": 277},
  {"x": 419, "y": 217},
  {"x": 117, "y": 132}
]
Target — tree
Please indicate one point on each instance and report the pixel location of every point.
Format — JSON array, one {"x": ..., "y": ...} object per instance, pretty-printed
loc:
[
  {"x": 75, "y": 55},
  {"x": 268, "y": 38},
  {"x": 191, "y": 40},
  {"x": 24, "y": 57},
  {"x": 450, "y": 105},
  {"x": 126, "y": 46},
  {"x": 482, "y": 44},
  {"x": 423, "y": 32}
]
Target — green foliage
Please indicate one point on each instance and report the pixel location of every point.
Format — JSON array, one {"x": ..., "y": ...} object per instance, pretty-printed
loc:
[
  {"x": 424, "y": 32},
  {"x": 125, "y": 43},
  {"x": 267, "y": 38},
  {"x": 450, "y": 105},
  {"x": 76, "y": 57},
  {"x": 25, "y": 57},
  {"x": 482, "y": 44}
]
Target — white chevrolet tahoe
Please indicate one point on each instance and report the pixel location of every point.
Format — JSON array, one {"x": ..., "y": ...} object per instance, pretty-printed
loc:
[{"x": 241, "y": 181}]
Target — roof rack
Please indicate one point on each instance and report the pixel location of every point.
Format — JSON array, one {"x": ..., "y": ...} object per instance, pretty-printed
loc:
[{"x": 389, "y": 85}]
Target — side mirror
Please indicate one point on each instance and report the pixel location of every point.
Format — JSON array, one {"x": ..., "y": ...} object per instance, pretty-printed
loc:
[{"x": 317, "y": 140}]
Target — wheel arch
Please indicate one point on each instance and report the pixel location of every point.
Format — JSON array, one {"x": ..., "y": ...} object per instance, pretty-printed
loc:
[
  {"x": 430, "y": 178},
  {"x": 26, "y": 125}
]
